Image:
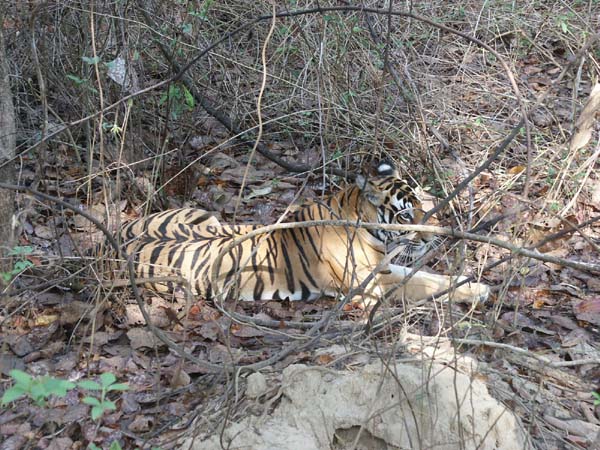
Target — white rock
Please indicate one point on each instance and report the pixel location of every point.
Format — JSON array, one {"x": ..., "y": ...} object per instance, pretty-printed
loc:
[
  {"x": 405, "y": 406},
  {"x": 256, "y": 385}
]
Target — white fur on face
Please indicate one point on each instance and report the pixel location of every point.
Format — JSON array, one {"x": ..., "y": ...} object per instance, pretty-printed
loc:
[{"x": 402, "y": 207}]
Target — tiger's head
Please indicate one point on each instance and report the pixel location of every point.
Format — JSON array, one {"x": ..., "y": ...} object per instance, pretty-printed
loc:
[{"x": 390, "y": 199}]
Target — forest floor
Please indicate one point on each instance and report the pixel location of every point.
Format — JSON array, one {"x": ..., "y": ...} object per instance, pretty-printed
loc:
[{"x": 64, "y": 315}]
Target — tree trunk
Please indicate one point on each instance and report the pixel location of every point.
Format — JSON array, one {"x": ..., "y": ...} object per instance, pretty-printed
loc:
[{"x": 7, "y": 150}]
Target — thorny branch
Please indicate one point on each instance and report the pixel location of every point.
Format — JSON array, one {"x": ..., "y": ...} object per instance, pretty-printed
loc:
[{"x": 227, "y": 122}]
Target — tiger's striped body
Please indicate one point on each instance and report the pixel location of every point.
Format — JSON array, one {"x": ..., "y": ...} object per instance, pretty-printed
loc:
[{"x": 294, "y": 264}]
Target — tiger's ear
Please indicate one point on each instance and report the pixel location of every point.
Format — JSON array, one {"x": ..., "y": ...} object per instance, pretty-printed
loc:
[
  {"x": 387, "y": 168},
  {"x": 372, "y": 194}
]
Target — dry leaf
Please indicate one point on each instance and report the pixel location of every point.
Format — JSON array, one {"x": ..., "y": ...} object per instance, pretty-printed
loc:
[
  {"x": 180, "y": 378},
  {"x": 44, "y": 232},
  {"x": 141, "y": 338},
  {"x": 259, "y": 192},
  {"x": 157, "y": 311},
  {"x": 246, "y": 331},
  {"x": 324, "y": 359},
  {"x": 73, "y": 312},
  {"x": 45, "y": 320},
  {"x": 96, "y": 211},
  {"x": 141, "y": 423},
  {"x": 60, "y": 443},
  {"x": 171, "y": 315},
  {"x": 588, "y": 310},
  {"x": 516, "y": 170},
  {"x": 210, "y": 331},
  {"x": 574, "y": 426},
  {"x": 595, "y": 193},
  {"x": 585, "y": 123}
]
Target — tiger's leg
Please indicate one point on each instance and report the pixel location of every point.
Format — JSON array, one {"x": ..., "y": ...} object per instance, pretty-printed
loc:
[{"x": 422, "y": 285}]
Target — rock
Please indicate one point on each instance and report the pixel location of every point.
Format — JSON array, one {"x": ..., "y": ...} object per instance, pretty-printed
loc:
[
  {"x": 257, "y": 385},
  {"x": 402, "y": 406}
]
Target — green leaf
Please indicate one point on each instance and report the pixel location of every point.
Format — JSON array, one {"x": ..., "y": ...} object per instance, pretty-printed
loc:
[
  {"x": 107, "y": 378},
  {"x": 88, "y": 60},
  {"x": 115, "y": 446},
  {"x": 189, "y": 98},
  {"x": 38, "y": 391},
  {"x": 564, "y": 27},
  {"x": 92, "y": 401},
  {"x": 118, "y": 387},
  {"x": 108, "y": 405},
  {"x": 20, "y": 377},
  {"x": 187, "y": 28},
  {"x": 200, "y": 14},
  {"x": 77, "y": 80},
  {"x": 93, "y": 446},
  {"x": 89, "y": 385},
  {"x": 97, "y": 412},
  {"x": 21, "y": 250},
  {"x": 20, "y": 266},
  {"x": 58, "y": 387},
  {"x": 12, "y": 394}
]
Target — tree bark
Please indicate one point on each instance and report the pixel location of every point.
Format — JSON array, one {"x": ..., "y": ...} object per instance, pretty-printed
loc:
[{"x": 7, "y": 150}]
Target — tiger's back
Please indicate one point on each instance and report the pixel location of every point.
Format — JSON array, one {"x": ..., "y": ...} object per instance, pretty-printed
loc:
[{"x": 294, "y": 264}]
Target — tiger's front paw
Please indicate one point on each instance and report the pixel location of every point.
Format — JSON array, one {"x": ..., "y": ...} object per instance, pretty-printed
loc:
[
  {"x": 482, "y": 292},
  {"x": 472, "y": 292}
]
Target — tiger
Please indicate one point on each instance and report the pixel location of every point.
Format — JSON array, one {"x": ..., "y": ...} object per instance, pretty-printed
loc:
[{"x": 297, "y": 263}]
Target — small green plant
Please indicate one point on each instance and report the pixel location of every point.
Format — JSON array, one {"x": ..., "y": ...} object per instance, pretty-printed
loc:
[
  {"x": 41, "y": 388},
  {"x": 113, "y": 128},
  {"x": 38, "y": 389},
  {"x": 551, "y": 175},
  {"x": 179, "y": 98},
  {"x": 90, "y": 60},
  {"x": 202, "y": 13},
  {"x": 187, "y": 28},
  {"x": 113, "y": 446},
  {"x": 101, "y": 404},
  {"x": 347, "y": 96},
  {"x": 554, "y": 207},
  {"x": 22, "y": 263},
  {"x": 82, "y": 83},
  {"x": 596, "y": 396},
  {"x": 563, "y": 22}
]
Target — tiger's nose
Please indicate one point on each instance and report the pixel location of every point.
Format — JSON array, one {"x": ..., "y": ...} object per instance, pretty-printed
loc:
[{"x": 424, "y": 236}]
